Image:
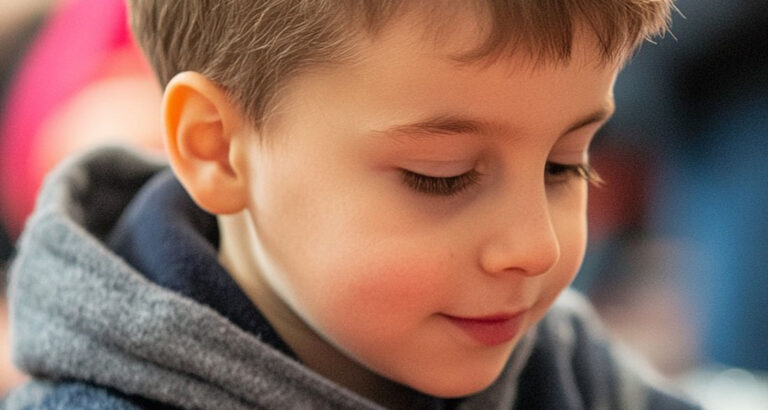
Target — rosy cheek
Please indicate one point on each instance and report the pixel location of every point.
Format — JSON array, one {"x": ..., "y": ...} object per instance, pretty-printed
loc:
[{"x": 389, "y": 294}]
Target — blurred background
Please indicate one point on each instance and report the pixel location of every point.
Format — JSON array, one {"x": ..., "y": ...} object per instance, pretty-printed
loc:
[{"x": 677, "y": 263}]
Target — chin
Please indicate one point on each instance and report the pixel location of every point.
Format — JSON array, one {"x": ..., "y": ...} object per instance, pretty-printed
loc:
[
  {"x": 456, "y": 384},
  {"x": 468, "y": 388}
]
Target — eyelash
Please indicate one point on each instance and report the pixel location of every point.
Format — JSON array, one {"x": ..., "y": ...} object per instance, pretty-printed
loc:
[{"x": 451, "y": 186}]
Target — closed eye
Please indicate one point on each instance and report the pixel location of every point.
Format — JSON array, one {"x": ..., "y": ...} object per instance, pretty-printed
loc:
[
  {"x": 556, "y": 173},
  {"x": 440, "y": 186}
]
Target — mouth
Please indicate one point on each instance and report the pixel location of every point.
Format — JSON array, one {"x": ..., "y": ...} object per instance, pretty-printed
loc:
[{"x": 490, "y": 330}]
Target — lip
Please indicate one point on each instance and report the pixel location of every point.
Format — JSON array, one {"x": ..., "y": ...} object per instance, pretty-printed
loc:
[{"x": 490, "y": 330}]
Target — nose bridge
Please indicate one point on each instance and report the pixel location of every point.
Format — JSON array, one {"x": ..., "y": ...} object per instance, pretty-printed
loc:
[{"x": 521, "y": 236}]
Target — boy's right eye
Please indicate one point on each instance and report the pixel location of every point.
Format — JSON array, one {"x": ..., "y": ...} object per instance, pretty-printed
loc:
[{"x": 440, "y": 186}]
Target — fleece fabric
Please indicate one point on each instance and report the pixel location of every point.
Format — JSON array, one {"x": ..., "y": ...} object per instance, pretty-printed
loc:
[{"x": 118, "y": 302}]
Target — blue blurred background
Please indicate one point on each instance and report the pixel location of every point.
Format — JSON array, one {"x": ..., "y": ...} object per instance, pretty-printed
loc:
[
  {"x": 679, "y": 239},
  {"x": 677, "y": 263}
]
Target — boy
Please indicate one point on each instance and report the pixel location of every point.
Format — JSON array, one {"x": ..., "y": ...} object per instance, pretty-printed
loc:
[{"x": 373, "y": 204}]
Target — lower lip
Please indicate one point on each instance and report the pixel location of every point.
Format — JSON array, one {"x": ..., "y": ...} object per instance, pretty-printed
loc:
[{"x": 490, "y": 332}]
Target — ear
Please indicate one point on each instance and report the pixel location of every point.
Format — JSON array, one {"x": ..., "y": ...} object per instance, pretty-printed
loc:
[{"x": 203, "y": 129}]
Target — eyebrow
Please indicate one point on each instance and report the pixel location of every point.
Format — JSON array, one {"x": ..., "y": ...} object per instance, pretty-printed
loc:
[{"x": 447, "y": 125}]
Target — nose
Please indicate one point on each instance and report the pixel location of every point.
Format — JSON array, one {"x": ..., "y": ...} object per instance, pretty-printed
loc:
[{"x": 521, "y": 238}]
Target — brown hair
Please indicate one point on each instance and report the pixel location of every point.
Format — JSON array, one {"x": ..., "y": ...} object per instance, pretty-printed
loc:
[{"x": 251, "y": 47}]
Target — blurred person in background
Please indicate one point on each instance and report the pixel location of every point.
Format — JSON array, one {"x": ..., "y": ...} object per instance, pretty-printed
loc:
[
  {"x": 60, "y": 61},
  {"x": 19, "y": 21},
  {"x": 83, "y": 56}
]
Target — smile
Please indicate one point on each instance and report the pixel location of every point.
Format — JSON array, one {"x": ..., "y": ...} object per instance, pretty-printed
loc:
[{"x": 490, "y": 330}]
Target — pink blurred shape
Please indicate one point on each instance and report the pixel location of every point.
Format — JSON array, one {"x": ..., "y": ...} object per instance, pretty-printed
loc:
[{"x": 70, "y": 51}]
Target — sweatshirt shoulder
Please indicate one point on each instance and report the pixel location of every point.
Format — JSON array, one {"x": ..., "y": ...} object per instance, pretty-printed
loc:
[
  {"x": 39, "y": 395},
  {"x": 578, "y": 365}
]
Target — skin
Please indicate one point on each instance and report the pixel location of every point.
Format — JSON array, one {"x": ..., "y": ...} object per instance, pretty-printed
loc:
[
  {"x": 10, "y": 376},
  {"x": 354, "y": 268}
]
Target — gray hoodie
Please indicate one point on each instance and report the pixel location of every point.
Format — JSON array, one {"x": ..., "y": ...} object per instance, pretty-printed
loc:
[{"x": 97, "y": 333}]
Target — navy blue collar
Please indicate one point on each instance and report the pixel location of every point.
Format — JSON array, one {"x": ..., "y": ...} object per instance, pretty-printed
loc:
[{"x": 164, "y": 235}]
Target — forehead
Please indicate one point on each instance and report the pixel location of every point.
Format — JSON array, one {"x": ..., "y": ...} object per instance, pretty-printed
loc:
[{"x": 411, "y": 70}]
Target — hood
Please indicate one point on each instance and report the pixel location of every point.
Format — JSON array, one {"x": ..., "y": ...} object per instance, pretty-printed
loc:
[{"x": 79, "y": 311}]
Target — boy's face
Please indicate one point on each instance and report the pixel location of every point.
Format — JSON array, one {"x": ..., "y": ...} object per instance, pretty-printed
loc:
[{"x": 382, "y": 265}]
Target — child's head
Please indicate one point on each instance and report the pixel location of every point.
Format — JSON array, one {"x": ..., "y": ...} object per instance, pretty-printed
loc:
[
  {"x": 423, "y": 165},
  {"x": 251, "y": 48}
]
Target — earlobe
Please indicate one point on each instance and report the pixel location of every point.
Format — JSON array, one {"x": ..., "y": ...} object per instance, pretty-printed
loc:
[{"x": 202, "y": 135}]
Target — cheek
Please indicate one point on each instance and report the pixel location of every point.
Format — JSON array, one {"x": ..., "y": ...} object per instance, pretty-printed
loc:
[
  {"x": 348, "y": 255},
  {"x": 368, "y": 290},
  {"x": 570, "y": 224}
]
